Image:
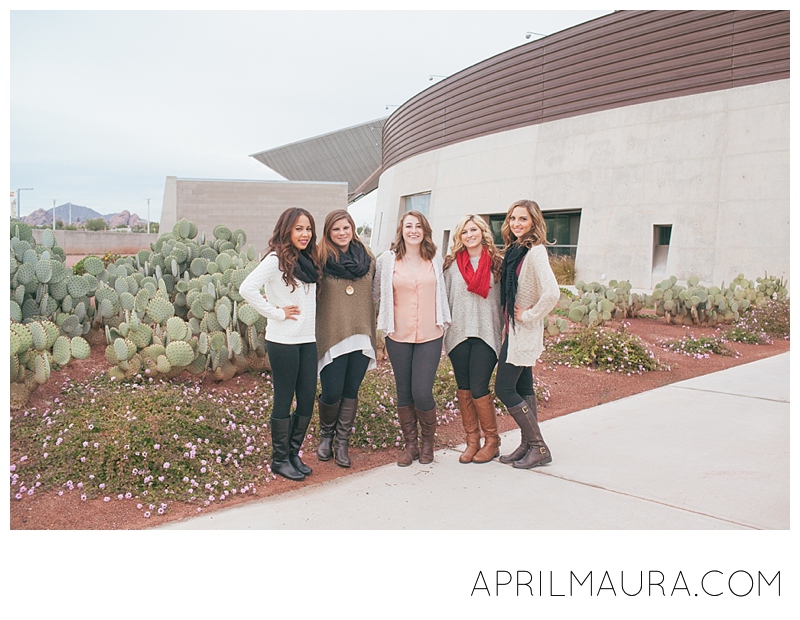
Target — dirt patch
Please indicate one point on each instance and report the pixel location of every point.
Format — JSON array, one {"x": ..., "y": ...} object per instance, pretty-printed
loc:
[{"x": 571, "y": 389}]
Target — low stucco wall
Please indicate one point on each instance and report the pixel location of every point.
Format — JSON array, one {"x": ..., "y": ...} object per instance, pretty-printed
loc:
[{"x": 82, "y": 243}]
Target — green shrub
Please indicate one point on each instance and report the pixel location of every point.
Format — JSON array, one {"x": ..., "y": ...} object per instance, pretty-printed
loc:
[{"x": 603, "y": 349}]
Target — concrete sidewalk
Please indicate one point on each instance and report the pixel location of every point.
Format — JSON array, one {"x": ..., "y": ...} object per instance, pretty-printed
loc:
[{"x": 707, "y": 453}]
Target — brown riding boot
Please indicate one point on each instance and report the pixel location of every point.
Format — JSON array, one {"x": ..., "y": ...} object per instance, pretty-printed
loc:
[
  {"x": 469, "y": 418},
  {"x": 538, "y": 453},
  {"x": 408, "y": 425},
  {"x": 488, "y": 421},
  {"x": 522, "y": 449},
  {"x": 427, "y": 425}
]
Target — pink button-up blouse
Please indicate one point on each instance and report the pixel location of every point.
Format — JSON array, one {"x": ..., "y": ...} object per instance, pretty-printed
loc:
[{"x": 415, "y": 304}]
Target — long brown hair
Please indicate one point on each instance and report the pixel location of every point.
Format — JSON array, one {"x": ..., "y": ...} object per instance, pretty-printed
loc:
[
  {"x": 327, "y": 248},
  {"x": 427, "y": 248},
  {"x": 281, "y": 243},
  {"x": 537, "y": 234},
  {"x": 487, "y": 241}
]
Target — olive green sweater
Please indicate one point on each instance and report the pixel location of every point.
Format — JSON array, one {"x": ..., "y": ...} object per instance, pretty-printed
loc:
[{"x": 340, "y": 315}]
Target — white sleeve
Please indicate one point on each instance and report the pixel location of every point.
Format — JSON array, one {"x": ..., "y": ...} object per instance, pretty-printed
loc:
[{"x": 266, "y": 273}]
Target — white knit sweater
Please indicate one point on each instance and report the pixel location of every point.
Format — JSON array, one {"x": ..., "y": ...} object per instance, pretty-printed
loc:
[
  {"x": 383, "y": 292},
  {"x": 537, "y": 290},
  {"x": 279, "y": 329}
]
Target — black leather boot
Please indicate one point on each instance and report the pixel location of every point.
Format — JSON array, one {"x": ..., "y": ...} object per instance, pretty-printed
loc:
[
  {"x": 297, "y": 433},
  {"x": 328, "y": 416},
  {"x": 347, "y": 417},
  {"x": 279, "y": 428}
]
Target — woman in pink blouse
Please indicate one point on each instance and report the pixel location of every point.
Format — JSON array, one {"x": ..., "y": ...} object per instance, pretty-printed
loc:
[{"x": 413, "y": 314}]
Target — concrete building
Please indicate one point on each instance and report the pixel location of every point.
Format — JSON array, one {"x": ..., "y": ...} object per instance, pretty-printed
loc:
[
  {"x": 253, "y": 206},
  {"x": 656, "y": 143}
]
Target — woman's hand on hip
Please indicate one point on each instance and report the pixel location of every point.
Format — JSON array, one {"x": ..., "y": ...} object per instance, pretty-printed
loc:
[
  {"x": 291, "y": 312},
  {"x": 518, "y": 310}
]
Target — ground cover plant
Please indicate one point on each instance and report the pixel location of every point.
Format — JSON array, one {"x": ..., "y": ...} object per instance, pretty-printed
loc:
[
  {"x": 600, "y": 348},
  {"x": 699, "y": 347}
]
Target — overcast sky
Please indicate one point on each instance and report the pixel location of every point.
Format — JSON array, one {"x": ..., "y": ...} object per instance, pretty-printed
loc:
[{"x": 104, "y": 105}]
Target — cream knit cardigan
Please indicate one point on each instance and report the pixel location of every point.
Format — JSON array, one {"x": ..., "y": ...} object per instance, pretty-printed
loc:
[
  {"x": 383, "y": 292},
  {"x": 537, "y": 290}
]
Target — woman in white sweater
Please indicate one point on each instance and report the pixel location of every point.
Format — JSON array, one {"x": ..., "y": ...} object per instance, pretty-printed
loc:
[
  {"x": 472, "y": 277},
  {"x": 529, "y": 291},
  {"x": 289, "y": 275}
]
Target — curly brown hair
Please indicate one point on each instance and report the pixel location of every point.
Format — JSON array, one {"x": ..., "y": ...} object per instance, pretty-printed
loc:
[{"x": 281, "y": 243}]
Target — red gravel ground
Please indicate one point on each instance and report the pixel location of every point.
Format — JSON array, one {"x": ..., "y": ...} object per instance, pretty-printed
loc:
[{"x": 571, "y": 389}]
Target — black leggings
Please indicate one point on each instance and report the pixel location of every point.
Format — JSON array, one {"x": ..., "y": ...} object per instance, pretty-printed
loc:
[
  {"x": 414, "y": 366},
  {"x": 294, "y": 374},
  {"x": 473, "y": 363},
  {"x": 342, "y": 377},
  {"x": 513, "y": 383}
]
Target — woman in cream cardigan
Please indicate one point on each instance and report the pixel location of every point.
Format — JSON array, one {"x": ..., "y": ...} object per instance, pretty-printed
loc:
[
  {"x": 345, "y": 332},
  {"x": 413, "y": 314},
  {"x": 529, "y": 291}
]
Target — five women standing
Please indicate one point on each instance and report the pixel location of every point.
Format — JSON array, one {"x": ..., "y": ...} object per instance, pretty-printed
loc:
[
  {"x": 414, "y": 290},
  {"x": 345, "y": 332}
]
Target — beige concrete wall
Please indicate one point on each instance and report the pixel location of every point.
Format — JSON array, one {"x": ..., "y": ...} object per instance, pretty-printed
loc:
[
  {"x": 82, "y": 243},
  {"x": 715, "y": 166},
  {"x": 253, "y": 206}
]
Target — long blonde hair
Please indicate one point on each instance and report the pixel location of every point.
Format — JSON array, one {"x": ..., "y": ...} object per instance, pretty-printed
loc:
[
  {"x": 537, "y": 234},
  {"x": 427, "y": 247},
  {"x": 487, "y": 242}
]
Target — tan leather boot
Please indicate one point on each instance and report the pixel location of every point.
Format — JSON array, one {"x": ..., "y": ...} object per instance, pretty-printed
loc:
[
  {"x": 488, "y": 421},
  {"x": 469, "y": 418},
  {"x": 427, "y": 425},
  {"x": 408, "y": 425}
]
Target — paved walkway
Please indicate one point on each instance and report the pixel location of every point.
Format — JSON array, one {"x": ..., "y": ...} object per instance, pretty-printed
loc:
[{"x": 707, "y": 453}]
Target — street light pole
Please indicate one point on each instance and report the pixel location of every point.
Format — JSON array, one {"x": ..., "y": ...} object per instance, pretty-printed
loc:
[
  {"x": 148, "y": 215},
  {"x": 22, "y": 189},
  {"x": 54, "y": 213}
]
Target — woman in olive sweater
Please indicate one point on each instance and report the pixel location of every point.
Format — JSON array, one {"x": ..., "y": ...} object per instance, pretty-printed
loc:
[{"x": 345, "y": 332}]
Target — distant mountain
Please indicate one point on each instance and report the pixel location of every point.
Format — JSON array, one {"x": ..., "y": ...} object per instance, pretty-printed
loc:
[{"x": 79, "y": 215}]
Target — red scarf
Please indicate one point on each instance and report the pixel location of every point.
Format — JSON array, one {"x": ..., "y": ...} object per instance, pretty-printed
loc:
[{"x": 477, "y": 281}]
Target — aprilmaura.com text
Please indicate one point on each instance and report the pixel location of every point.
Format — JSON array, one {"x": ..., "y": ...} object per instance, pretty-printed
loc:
[{"x": 523, "y": 583}]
